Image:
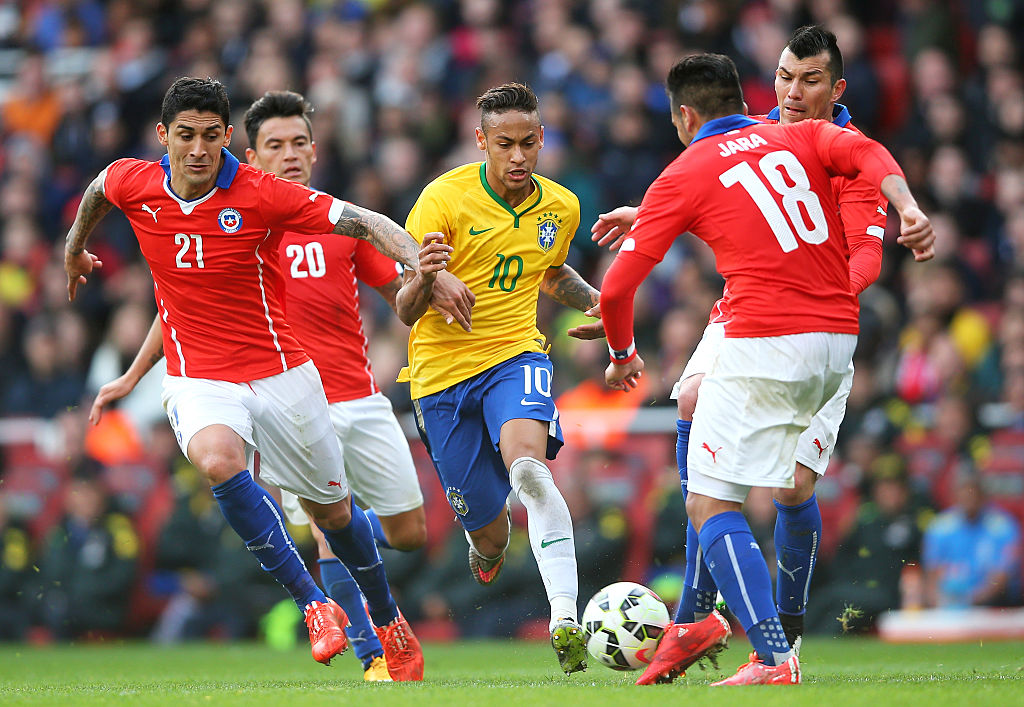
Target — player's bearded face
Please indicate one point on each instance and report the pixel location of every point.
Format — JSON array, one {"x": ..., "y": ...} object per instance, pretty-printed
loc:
[
  {"x": 804, "y": 87},
  {"x": 193, "y": 141},
  {"x": 512, "y": 141},
  {"x": 284, "y": 147}
]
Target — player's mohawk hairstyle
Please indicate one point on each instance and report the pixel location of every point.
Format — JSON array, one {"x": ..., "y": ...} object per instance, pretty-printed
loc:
[
  {"x": 509, "y": 96},
  {"x": 812, "y": 40}
]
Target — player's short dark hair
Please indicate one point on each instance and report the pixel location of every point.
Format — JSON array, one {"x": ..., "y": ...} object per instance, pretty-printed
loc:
[
  {"x": 708, "y": 83},
  {"x": 276, "y": 104},
  {"x": 509, "y": 96},
  {"x": 812, "y": 40},
  {"x": 191, "y": 93}
]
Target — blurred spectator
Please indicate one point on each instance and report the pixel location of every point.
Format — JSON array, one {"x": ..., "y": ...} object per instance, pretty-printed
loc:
[
  {"x": 972, "y": 552},
  {"x": 16, "y": 563},
  {"x": 45, "y": 387},
  {"x": 88, "y": 566},
  {"x": 867, "y": 570}
]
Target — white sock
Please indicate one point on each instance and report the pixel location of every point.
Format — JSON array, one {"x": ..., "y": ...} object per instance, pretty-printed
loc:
[{"x": 551, "y": 536}]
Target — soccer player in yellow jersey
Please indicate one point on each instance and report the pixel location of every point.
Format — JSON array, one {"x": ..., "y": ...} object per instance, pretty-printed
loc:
[{"x": 483, "y": 397}]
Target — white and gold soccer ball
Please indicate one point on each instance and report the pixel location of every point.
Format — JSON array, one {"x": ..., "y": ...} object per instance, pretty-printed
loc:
[{"x": 622, "y": 624}]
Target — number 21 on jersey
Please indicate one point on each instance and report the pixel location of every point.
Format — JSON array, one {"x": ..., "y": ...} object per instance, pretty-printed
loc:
[{"x": 788, "y": 178}]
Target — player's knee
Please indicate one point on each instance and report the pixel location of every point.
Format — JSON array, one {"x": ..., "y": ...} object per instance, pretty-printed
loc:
[
  {"x": 530, "y": 477},
  {"x": 687, "y": 401},
  {"x": 803, "y": 487},
  {"x": 410, "y": 534},
  {"x": 332, "y": 516},
  {"x": 218, "y": 465}
]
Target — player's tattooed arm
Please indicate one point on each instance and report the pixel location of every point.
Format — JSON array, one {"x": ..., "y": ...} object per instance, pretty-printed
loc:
[
  {"x": 565, "y": 286},
  {"x": 150, "y": 353},
  {"x": 78, "y": 262},
  {"x": 417, "y": 291},
  {"x": 383, "y": 234}
]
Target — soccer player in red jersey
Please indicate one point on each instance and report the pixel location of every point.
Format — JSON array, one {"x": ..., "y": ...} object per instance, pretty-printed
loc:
[
  {"x": 237, "y": 379},
  {"x": 760, "y": 196},
  {"x": 322, "y": 307},
  {"x": 808, "y": 84}
]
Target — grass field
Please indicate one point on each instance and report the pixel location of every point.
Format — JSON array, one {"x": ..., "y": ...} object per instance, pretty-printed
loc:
[{"x": 837, "y": 673}]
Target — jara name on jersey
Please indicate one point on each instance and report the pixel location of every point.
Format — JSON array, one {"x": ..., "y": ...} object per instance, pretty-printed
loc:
[{"x": 740, "y": 144}]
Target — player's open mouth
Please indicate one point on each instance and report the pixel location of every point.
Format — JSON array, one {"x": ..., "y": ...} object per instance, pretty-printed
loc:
[
  {"x": 793, "y": 110},
  {"x": 518, "y": 174}
]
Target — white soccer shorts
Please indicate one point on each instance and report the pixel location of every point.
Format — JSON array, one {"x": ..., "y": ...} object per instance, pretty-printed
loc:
[
  {"x": 284, "y": 416},
  {"x": 754, "y": 403},
  {"x": 378, "y": 463},
  {"x": 817, "y": 442}
]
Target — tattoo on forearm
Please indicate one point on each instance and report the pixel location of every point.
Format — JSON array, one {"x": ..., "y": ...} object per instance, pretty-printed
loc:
[
  {"x": 568, "y": 288},
  {"x": 384, "y": 234},
  {"x": 94, "y": 207}
]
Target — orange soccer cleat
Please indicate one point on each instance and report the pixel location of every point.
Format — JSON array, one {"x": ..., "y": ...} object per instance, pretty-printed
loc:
[
  {"x": 402, "y": 650},
  {"x": 682, "y": 645},
  {"x": 326, "y": 623},
  {"x": 757, "y": 673}
]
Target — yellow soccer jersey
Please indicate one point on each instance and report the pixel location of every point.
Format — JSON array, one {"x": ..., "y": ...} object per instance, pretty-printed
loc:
[{"x": 502, "y": 255}]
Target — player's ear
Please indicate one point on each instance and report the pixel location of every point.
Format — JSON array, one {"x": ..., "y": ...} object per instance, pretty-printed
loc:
[
  {"x": 481, "y": 138},
  {"x": 541, "y": 146},
  {"x": 227, "y": 135},
  {"x": 838, "y": 89},
  {"x": 312, "y": 145},
  {"x": 746, "y": 108},
  {"x": 250, "y": 157},
  {"x": 161, "y": 134}
]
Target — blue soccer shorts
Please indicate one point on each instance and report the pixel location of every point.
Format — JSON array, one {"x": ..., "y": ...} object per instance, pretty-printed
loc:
[{"x": 461, "y": 425}]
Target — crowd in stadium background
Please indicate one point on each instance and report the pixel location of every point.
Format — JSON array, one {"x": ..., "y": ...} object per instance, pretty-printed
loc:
[{"x": 939, "y": 390}]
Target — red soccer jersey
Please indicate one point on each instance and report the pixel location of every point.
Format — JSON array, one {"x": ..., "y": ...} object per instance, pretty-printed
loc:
[
  {"x": 862, "y": 210},
  {"x": 322, "y": 306},
  {"x": 760, "y": 196},
  {"x": 214, "y": 260}
]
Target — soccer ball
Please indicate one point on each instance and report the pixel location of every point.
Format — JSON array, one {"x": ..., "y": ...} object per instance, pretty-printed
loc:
[{"x": 622, "y": 624}]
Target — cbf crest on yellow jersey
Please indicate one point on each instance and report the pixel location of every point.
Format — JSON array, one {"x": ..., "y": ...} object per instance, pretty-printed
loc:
[{"x": 502, "y": 254}]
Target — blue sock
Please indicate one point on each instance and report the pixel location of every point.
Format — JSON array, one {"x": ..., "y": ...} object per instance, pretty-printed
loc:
[
  {"x": 378, "y": 529},
  {"x": 736, "y": 562},
  {"x": 343, "y": 589},
  {"x": 797, "y": 535},
  {"x": 354, "y": 546},
  {"x": 699, "y": 589},
  {"x": 258, "y": 520}
]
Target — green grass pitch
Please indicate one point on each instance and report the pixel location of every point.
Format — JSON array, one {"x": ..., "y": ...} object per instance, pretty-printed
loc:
[{"x": 837, "y": 673}]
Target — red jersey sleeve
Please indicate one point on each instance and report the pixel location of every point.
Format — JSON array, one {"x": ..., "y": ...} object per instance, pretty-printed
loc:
[
  {"x": 373, "y": 268},
  {"x": 288, "y": 206},
  {"x": 116, "y": 175},
  {"x": 664, "y": 214},
  {"x": 844, "y": 152}
]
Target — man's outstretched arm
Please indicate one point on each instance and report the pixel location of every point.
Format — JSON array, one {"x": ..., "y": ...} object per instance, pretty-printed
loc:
[
  {"x": 381, "y": 232},
  {"x": 150, "y": 353},
  {"x": 78, "y": 262}
]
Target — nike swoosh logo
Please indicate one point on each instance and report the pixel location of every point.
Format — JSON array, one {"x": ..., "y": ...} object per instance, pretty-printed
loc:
[
  {"x": 545, "y": 543},
  {"x": 526, "y": 402},
  {"x": 474, "y": 232}
]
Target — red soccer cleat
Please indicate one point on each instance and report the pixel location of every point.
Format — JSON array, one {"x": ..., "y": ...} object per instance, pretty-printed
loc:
[
  {"x": 402, "y": 650},
  {"x": 326, "y": 624},
  {"x": 682, "y": 645},
  {"x": 757, "y": 673}
]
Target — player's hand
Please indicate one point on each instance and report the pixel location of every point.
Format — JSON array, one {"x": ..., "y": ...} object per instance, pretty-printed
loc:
[
  {"x": 114, "y": 390},
  {"x": 624, "y": 376},
  {"x": 916, "y": 233},
  {"x": 592, "y": 330},
  {"x": 453, "y": 300},
  {"x": 611, "y": 228},
  {"x": 77, "y": 266},
  {"x": 433, "y": 256}
]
